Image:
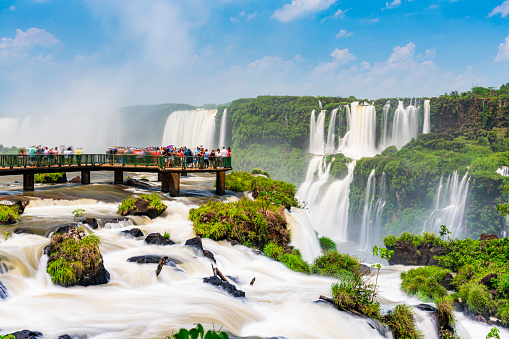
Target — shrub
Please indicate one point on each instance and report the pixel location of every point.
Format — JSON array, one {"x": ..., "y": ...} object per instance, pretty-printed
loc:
[
  {"x": 424, "y": 282},
  {"x": 354, "y": 293},
  {"x": 166, "y": 235},
  {"x": 445, "y": 307},
  {"x": 154, "y": 201},
  {"x": 8, "y": 214},
  {"x": 48, "y": 177},
  {"x": 335, "y": 264},
  {"x": 477, "y": 298},
  {"x": 198, "y": 332},
  {"x": 401, "y": 321},
  {"x": 390, "y": 241},
  {"x": 294, "y": 262},
  {"x": 327, "y": 244},
  {"x": 273, "y": 251},
  {"x": 503, "y": 313}
]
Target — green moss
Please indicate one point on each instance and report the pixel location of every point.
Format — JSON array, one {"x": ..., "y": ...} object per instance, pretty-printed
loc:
[
  {"x": 294, "y": 262},
  {"x": 48, "y": 177},
  {"x": 327, "y": 244},
  {"x": 335, "y": 264},
  {"x": 273, "y": 251},
  {"x": 154, "y": 201},
  {"x": 8, "y": 214},
  {"x": 401, "y": 322},
  {"x": 477, "y": 298}
]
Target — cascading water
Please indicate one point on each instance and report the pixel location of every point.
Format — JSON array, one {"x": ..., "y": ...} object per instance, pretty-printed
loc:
[
  {"x": 316, "y": 134},
  {"x": 360, "y": 140},
  {"x": 450, "y": 206},
  {"x": 366, "y": 229},
  {"x": 379, "y": 207},
  {"x": 503, "y": 171},
  {"x": 303, "y": 234},
  {"x": 222, "y": 131},
  {"x": 316, "y": 176},
  {"x": 405, "y": 125},
  {"x": 330, "y": 147},
  {"x": 190, "y": 128},
  {"x": 426, "y": 126},
  {"x": 385, "y": 119}
]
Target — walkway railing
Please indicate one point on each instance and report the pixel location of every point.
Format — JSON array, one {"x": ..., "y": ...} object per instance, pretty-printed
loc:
[{"x": 61, "y": 160}]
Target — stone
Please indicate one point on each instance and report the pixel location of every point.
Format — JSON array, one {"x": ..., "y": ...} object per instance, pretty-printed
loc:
[
  {"x": 134, "y": 232},
  {"x": 447, "y": 282},
  {"x": 75, "y": 180},
  {"x": 426, "y": 307},
  {"x": 486, "y": 237},
  {"x": 26, "y": 334},
  {"x": 404, "y": 254},
  {"x": 195, "y": 243},
  {"x": 92, "y": 222},
  {"x": 23, "y": 230},
  {"x": 142, "y": 207},
  {"x": 489, "y": 281},
  {"x": 158, "y": 239},
  {"x": 153, "y": 259},
  {"x": 64, "y": 228},
  {"x": 480, "y": 318},
  {"x": 3, "y": 291},
  {"x": 209, "y": 255},
  {"x": 226, "y": 286},
  {"x": 143, "y": 184}
]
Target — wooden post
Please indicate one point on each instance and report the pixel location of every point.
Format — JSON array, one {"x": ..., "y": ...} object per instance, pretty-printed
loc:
[
  {"x": 159, "y": 176},
  {"x": 220, "y": 183},
  {"x": 119, "y": 177},
  {"x": 171, "y": 183},
  {"x": 28, "y": 181},
  {"x": 85, "y": 177}
]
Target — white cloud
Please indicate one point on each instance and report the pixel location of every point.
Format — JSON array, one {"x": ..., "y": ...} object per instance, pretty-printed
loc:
[
  {"x": 434, "y": 6},
  {"x": 243, "y": 15},
  {"x": 340, "y": 57},
  {"x": 25, "y": 41},
  {"x": 88, "y": 58},
  {"x": 251, "y": 16},
  {"x": 393, "y": 4},
  {"x": 503, "y": 50},
  {"x": 502, "y": 9},
  {"x": 343, "y": 34},
  {"x": 402, "y": 53},
  {"x": 371, "y": 21},
  {"x": 12, "y": 8},
  {"x": 300, "y": 8}
]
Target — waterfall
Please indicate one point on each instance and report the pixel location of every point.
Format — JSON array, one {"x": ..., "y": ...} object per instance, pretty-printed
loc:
[
  {"x": 379, "y": 207},
  {"x": 303, "y": 235},
  {"x": 405, "y": 125},
  {"x": 316, "y": 176},
  {"x": 360, "y": 138},
  {"x": 8, "y": 129},
  {"x": 450, "y": 208},
  {"x": 366, "y": 231},
  {"x": 190, "y": 128},
  {"x": 385, "y": 118},
  {"x": 503, "y": 171},
  {"x": 426, "y": 126},
  {"x": 331, "y": 135},
  {"x": 320, "y": 104},
  {"x": 222, "y": 131},
  {"x": 316, "y": 133}
]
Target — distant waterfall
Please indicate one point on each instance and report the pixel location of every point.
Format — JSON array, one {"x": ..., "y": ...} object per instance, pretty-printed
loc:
[
  {"x": 320, "y": 104},
  {"x": 308, "y": 190},
  {"x": 330, "y": 147},
  {"x": 316, "y": 133},
  {"x": 426, "y": 126},
  {"x": 190, "y": 128},
  {"x": 360, "y": 139},
  {"x": 222, "y": 132},
  {"x": 405, "y": 125},
  {"x": 503, "y": 171},
  {"x": 385, "y": 118},
  {"x": 450, "y": 206},
  {"x": 379, "y": 207},
  {"x": 8, "y": 132},
  {"x": 366, "y": 231}
]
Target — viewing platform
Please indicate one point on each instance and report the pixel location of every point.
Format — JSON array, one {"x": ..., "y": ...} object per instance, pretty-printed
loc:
[{"x": 169, "y": 168}]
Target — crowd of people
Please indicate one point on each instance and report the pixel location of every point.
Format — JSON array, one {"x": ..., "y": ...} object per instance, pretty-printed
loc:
[{"x": 45, "y": 150}]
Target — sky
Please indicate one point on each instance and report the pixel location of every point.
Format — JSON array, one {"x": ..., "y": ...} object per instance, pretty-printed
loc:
[{"x": 95, "y": 55}]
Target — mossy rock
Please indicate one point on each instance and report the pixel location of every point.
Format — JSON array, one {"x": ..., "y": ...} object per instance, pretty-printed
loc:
[
  {"x": 146, "y": 204},
  {"x": 75, "y": 259}
]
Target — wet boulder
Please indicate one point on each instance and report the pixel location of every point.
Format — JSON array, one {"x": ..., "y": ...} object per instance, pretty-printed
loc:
[
  {"x": 75, "y": 180},
  {"x": 447, "y": 282},
  {"x": 26, "y": 334},
  {"x": 133, "y": 232},
  {"x": 405, "y": 253},
  {"x": 490, "y": 281},
  {"x": 153, "y": 259},
  {"x": 140, "y": 206},
  {"x": 91, "y": 222},
  {"x": 195, "y": 243},
  {"x": 23, "y": 230},
  {"x": 158, "y": 239},
  {"x": 488, "y": 237},
  {"x": 3, "y": 291},
  {"x": 209, "y": 255},
  {"x": 75, "y": 259},
  {"x": 64, "y": 228},
  {"x": 224, "y": 285}
]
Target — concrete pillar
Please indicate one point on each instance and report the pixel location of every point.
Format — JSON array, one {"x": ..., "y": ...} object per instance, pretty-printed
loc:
[
  {"x": 159, "y": 176},
  {"x": 171, "y": 183},
  {"x": 220, "y": 183},
  {"x": 28, "y": 181},
  {"x": 119, "y": 177},
  {"x": 85, "y": 177}
]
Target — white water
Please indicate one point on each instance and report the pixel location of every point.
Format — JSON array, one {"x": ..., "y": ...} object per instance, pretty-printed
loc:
[
  {"x": 360, "y": 139},
  {"x": 405, "y": 125},
  {"x": 316, "y": 134},
  {"x": 426, "y": 126},
  {"x": 190, "y": 128},
  {"x": 379, "y": 207},
  {"x": 330, "y": 146},
  {"x": 385, "y": 118},
  {"x": 222, "y": 131},
  {"x": 450, "y": 206},
  {"x": 503, "y": 171},
  {"x": 366, "y": 225},
  {"x": 303, "y": 234}
]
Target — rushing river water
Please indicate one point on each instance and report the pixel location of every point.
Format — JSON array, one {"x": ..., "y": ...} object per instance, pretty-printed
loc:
[{"x": 137, "y": 304}]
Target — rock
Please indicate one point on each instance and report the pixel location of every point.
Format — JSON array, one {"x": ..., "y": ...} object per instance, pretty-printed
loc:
[
  {"x": 365, "y": 269},
  {"x": 75, "y": 180},
  {"x": 134, "y": 232},
  {"x": 138, "y": 183},
  {"x": 480, "y": 318},
  {"x": 234, "y": 242},
  {"x": 153, "y": 259},
  {"x": 196, "y": 243},
  {"x": 288, "y": 207},
  {"x": 426, "y": 307},
  {"x": 91, "y": 271},
  {"x": 209, "y": 255},
  {"x": 92, "y": 222},
  {"x": 488, "y": 281},
  {"x": 142, "y": 207},
  {"x": 486, "y": 237},
  {"x": 459, "y": 306},
  {"x": 65, "y": 336},
  {"x": 23, "y": 230},
  {"x": 231, "y": 289},
  {"x": 64, "y": 228},
  {"x": 26, "y": 334},
  {"x": 404, "y": 254},
  {"x": 447, "y": 282},
  {"x": 158, "y": 239},
  {"x": 3, "y": 291}
]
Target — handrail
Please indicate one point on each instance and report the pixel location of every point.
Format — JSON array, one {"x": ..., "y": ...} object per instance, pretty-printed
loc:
[{"x": 64, "y": 160}]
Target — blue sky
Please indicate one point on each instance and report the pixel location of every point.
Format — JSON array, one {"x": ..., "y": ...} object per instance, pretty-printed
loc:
[{"x": 95, "y": 55}]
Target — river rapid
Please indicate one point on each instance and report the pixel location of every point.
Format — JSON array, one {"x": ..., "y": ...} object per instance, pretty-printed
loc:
[{"x": 137, "y": 304}]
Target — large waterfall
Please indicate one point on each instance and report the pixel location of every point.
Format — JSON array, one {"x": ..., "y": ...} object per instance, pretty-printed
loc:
[
  {"x": 405, "y": 125},
  {"x": 222, "y": 131},
  {"x": 366, "y": 232},
  {"x": 360, "y": 140},
  {"x": 450, "y": 206},
  {"x": 330, "y": 147},
  {"x": 426, "y": 125},
  {"x": 190, "y": 128},
  {"x": 316, "y": 135}
]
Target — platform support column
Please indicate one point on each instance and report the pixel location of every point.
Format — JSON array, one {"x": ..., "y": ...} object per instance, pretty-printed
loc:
[
  {"x": 28, "y": 181},
  {"x": 119, "y": 177},
  {"x": 85, "y": 177},
  {"x": 159, "y": 176},
  {"x": 171, "y": 183},
  {"x": 220, "y": 183}
]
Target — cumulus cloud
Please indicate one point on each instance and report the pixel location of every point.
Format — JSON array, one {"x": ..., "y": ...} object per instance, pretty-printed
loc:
[
  {"x": 393, "y": 4},
  {"x": 340, "y": 57},
  {"x": 502, "y": 9},
  {"x": 503, "y": 50},
  {"x": 25, "y": 41},
  {"x": 300, "y": 8},
  {"x": 343, "y": 34}
]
